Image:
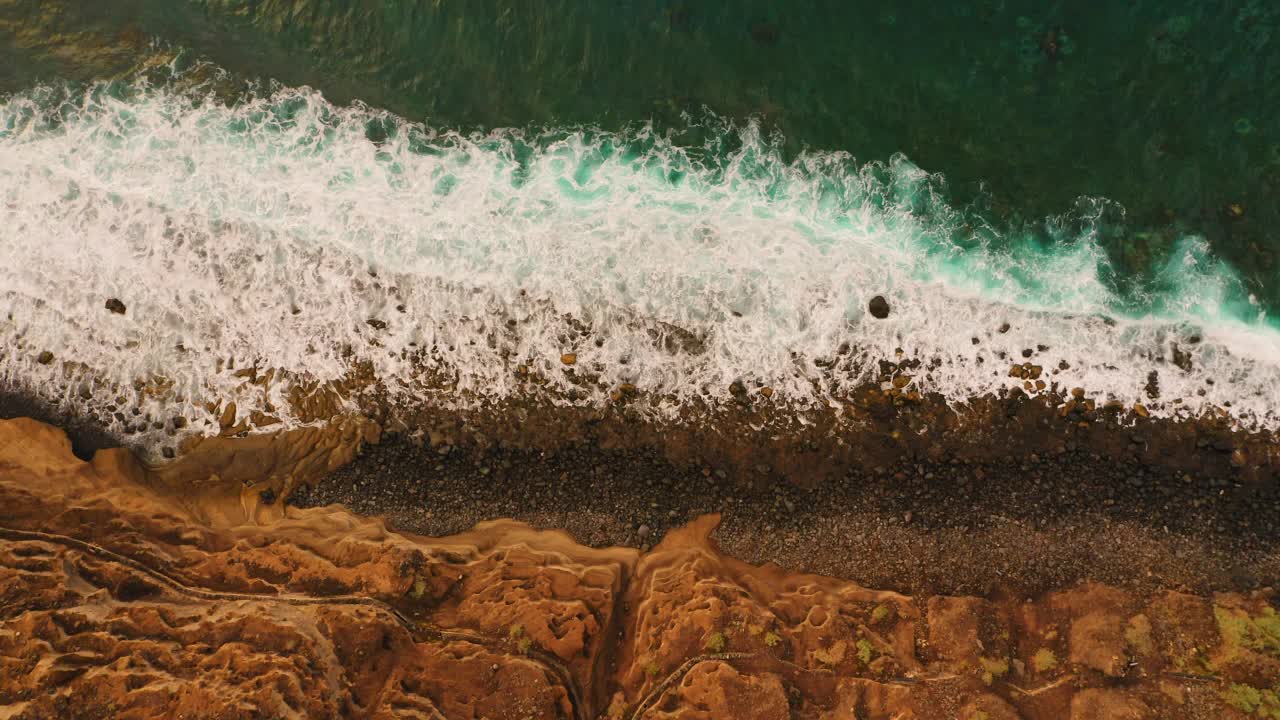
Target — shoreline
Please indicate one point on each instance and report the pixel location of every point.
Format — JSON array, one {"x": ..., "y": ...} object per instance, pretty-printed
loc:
[
  {"x": 1020, "y": 493},
  {"x": 755, "y": 432}
]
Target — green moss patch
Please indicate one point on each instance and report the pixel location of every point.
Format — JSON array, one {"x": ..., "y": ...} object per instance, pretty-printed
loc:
[
  {"x": 993, "y": 669},
  {"x": 715, "y": 642},
  {"x": 1254, "y": 701},
  {"x": 1044, "y": 660},
  {"x": 1241, "y": 631}
]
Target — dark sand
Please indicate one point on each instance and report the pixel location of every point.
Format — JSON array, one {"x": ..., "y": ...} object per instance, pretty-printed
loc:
[{"x": 947, "y": 528}]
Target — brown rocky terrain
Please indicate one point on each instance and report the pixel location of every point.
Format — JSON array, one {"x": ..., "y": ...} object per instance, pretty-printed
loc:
[{"x": 135, "y": 593}]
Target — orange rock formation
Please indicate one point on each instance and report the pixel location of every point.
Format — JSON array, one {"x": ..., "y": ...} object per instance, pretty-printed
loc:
[{"x": 135, "y": 594}]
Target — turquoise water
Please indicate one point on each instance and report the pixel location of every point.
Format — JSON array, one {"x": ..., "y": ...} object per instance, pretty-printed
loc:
[
  {"x": 261, "y": 180},
  {"x": 1167, "y": 109}
]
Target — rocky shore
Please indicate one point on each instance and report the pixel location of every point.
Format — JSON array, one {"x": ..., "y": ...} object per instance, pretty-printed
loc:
[
  {"x": 847, "y": 411},
  {"x": 187, "y": 591}
]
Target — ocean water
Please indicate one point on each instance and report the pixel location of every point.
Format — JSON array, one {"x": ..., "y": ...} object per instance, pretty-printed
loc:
[{"x": 422, "y": 203}]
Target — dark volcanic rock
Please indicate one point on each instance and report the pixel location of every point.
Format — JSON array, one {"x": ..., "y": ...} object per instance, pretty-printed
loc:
[
  {"x": 879, "y": 307},
  {"x": 115, "y": 306},
  {"x": 1153, "y": 385}
]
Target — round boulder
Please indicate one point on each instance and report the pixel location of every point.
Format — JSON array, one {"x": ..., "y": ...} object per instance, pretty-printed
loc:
[{"x": 879, "y": 307}]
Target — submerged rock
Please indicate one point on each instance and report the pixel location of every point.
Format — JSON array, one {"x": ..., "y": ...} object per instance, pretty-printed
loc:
[
  {"x": 1152, "y": 387},
  {"x": 1182, "y": 359},
  {"x": 764, "y": 33}
]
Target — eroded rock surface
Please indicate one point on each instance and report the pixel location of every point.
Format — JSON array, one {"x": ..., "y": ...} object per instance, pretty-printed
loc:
[
  {"x": 121, "y": 595},
  {"x": 117, "y": 600}
]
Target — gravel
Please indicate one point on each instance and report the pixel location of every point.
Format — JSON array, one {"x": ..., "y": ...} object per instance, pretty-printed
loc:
[{"x": 956, "y": 528}]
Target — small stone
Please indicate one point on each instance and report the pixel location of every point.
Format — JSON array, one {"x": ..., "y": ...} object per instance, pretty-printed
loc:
[
  {"x": 228, "y": 417},
  {"x": 766, "y": 391},
  {"x": 642, "y": 532},
  {"x": 1140, "y": 410},
  {"x": 44, "y": 358},
  {"x": 1077, "y": 393},
  {"x": 376, "y": 324},
  {"x": 879, "y": 307},
  {"x": 569, "y": 358},
  {"x": 115, "y": 306},
  {"x": 1238, "y": 458}
]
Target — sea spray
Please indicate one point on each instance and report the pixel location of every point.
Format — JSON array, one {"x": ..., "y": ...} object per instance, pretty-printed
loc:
[{"x": 278, "y": 230}]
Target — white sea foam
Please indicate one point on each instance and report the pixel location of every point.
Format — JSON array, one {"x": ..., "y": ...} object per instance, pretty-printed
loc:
[{"x": 213, "y": 223}]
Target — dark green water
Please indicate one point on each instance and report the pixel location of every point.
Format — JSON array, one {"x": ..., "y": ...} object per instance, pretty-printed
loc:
[{"x": 1166, "y": 108}]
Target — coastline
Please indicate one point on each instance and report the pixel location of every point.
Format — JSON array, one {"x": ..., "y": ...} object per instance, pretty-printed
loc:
[
  {"x": 1017, "y": 494},
  {"x": 639, "y": 361}
]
